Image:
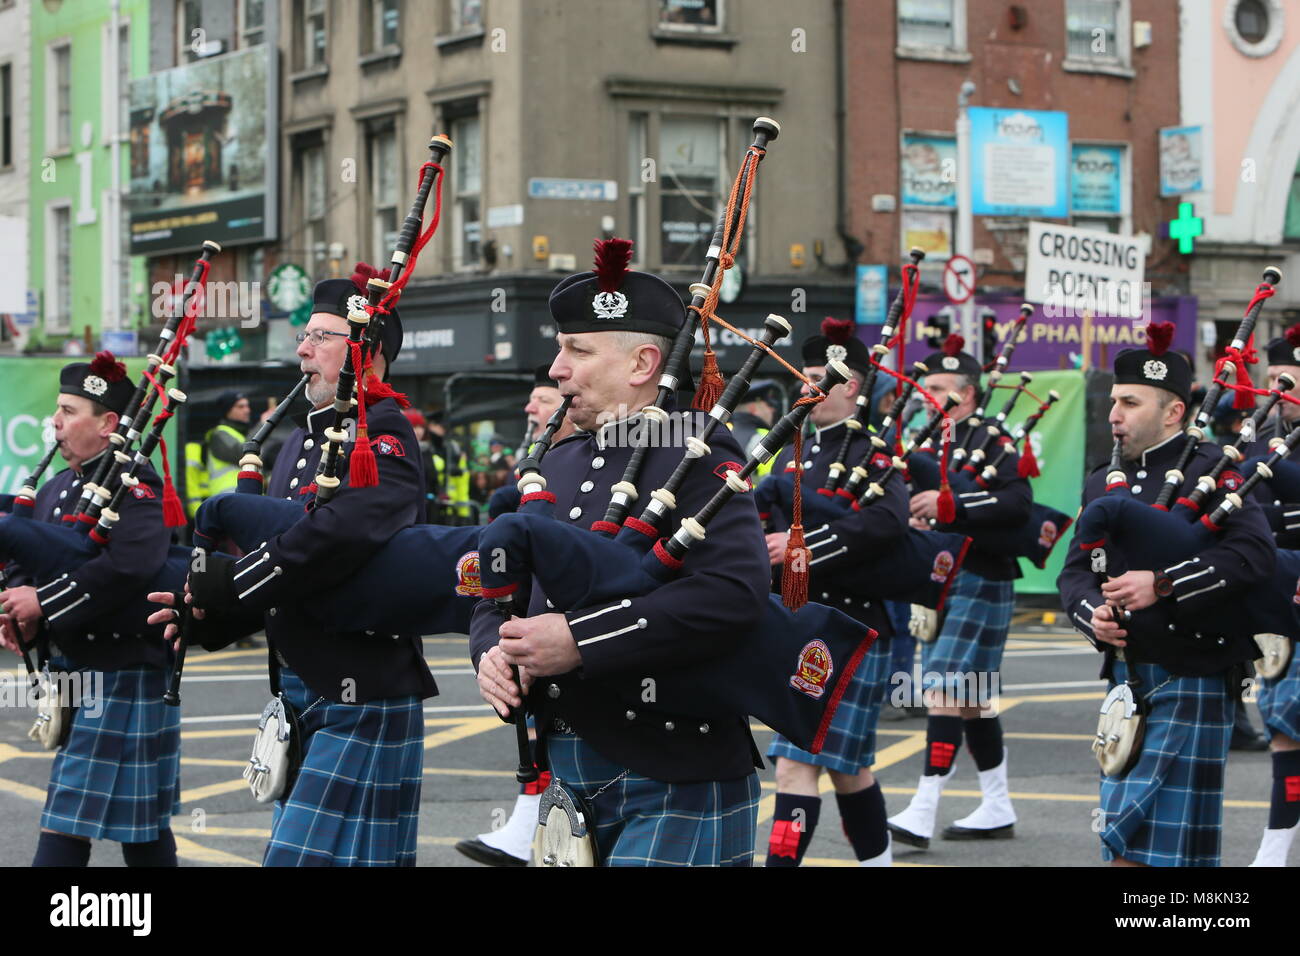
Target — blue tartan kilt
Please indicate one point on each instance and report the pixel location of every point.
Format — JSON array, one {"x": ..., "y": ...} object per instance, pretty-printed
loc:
[
  {"x": 851, "y": 740},
  {"x": 1168, "y": 810},
  {"x": 645, "y": 822},
  {"x": 974, "y": 630},
  {"x": 118, "y": 776},
  {"x": 356, "y": 800},
  {"x": 1279, "y": 700}
]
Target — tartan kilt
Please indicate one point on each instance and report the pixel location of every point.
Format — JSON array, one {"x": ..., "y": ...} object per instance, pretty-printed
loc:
[
  {"x": 974, "y": 630},
  {"x": 118, "y": 776},
  {"x": 645, "y": 822},
  {"x": 1279, "y": 699},
  {"x": 356, "y": 800},
  {"x": 1168, "y": 810},
  {"x": 851, "y": 740}
]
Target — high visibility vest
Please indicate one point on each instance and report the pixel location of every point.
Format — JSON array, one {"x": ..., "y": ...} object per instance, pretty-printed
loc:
[
  {"x": 222, "y": 476},
  {"x": 196, "y": 477}
]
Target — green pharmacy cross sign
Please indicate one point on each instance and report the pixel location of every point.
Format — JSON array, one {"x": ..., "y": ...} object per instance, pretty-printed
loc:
[{"x": 1186, "y": 227}]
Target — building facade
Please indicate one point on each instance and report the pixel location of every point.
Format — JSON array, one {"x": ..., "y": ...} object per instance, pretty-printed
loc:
[{"x": 16, "y": 318}]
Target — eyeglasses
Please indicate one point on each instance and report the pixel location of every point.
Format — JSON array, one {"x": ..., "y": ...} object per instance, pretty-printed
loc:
[{"x": 317, "y": 337}]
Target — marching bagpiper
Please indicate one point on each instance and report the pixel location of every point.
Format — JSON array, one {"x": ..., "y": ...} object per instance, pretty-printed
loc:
[
  {"x": 117, "y": 774},
  {"x": 1166, "y": 810}
]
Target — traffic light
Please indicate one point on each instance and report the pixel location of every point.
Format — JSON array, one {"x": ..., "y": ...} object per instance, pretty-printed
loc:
[
  {"x": 989, "y": 324},
  {"x": 937, "y": 328}
]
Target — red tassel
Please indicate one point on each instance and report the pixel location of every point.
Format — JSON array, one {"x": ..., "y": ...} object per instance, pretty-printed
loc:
[
  {"x": 1028, "y": 465},
  {"x": 947, "y": 508},
  {"x": 711, "y": 385},
  {"x": 173, "y": 510},
  {"x": 794, "y": 575},
  {"x": 377, "y": 391}
]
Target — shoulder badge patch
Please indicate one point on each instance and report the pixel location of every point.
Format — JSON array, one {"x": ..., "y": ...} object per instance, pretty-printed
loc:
[
  {"x": 943, "y": 563},
  {"x": 143, "y": 491},
  {"x": 812, "y": 672},
  {"x": 468, "y": 581},
  {"x": 388, "y": 445},
  {"x": 726, "y": 466}
]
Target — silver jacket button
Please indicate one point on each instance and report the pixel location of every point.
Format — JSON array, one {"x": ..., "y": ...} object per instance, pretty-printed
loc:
[
  {"x": 630, "y": 715},
  {"x": 575, "y": 513},
  {"x": 552, "y": 691},
  {"x": 704, "y": 728},
  {"x": 586, "y": 486},
  {"x": 669, "y": 725},
  {"x": 598, "y": 462}
]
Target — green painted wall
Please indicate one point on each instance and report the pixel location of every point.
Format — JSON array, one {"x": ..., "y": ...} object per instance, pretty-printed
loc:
[{"x": 56, "y": 176}]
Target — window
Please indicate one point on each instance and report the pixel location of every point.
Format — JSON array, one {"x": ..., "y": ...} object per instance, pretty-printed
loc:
[
  {"x": 636, "y": 183},
  {"x": 1251, "y": 20},
  {"x": 690, "y": 186},
  {"x": 1096, "y": 31},
  {"x": 1291, "y": 226},
  {"x": 468, "y": 183},
  {"x": 313, "y": 33},
  {"x": 1254, "y": 27},
  {"x": 6, "y": 116},
  {"x": 928, "y": 192},
  {"x": 188, "y": 24},
  {"x": 382, "y": 151},
  {"x": 59, "y": 81},
  {"x": 690, "y": 15},
  {"x": 252, "y": 22},
  {"x": 119, "y": 84},
  {"x": 1099, "y": 187},
  {"x": 466, "y": 17},
  {"x": 312, "y": 199},
  {"x": 929, "y": 23},
  {"x": 58, "y": 268},
  {"x": 382, "y": 24}
]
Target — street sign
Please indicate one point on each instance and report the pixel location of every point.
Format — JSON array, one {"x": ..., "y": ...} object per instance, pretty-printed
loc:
[
  {"x": 1073, "y": 270},
  {"x": 592, "y": 189},
  {"x": 959, "y": 279}
]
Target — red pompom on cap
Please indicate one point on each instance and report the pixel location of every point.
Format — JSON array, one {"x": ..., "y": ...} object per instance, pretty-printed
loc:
[
  {"x": 611, "y": 262},
  {"x": 1292, "y": 335},
  {"x": 953, "y": 344},
  {"x": 838, "y": 331},
  {"x": 1159, "y": 337},
  {"x": 363, "y": 272},
  {"x": 107, "y": 367}
]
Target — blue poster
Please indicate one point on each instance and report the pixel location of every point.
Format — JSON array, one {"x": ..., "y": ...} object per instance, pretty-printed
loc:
[
  {"x": 872, "y": 295},
  {"x": 1096, "y": 179},
  {"x": 928, "y": 171},
  {"x": 1020, "y": 162}
]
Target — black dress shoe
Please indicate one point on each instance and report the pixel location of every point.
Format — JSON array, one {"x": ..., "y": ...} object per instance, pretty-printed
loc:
[
  {"x": 907, "y": 836},
  {"x": 480, "y": 852},
  {"x": 1248, "y": 742},
  {"x": 954, "y": 832}
]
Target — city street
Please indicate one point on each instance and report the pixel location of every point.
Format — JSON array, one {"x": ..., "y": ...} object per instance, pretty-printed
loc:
[{"x": 1049, "y": 698}]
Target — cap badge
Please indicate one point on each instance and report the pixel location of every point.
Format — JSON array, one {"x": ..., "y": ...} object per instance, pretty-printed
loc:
[
  {"x": 609, "y": 305},
  {"x": 950, "y": 363},
  {"x": 836, "y": 353},
  {"x": 357, "y": 303},
  {"x": 1296, "y": 353},
  {"x": 1155, "y": 370},
  {"x": 95, "y": 385}
]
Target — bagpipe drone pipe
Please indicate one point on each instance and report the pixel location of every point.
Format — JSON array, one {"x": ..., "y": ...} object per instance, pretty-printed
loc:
[{"x": 790, "y": 671}]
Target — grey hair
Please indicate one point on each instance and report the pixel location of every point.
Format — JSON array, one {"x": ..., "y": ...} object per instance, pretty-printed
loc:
[{"x": 627, "y": 341}]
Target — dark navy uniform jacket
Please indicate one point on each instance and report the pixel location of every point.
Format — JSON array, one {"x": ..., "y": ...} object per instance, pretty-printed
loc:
[
  {"x": 1005, "y": 503},
  {"x": 1243, "y": 555},
  {"x": 1283, "y": 516},
  {"x": 322, "y": 551},
  {"x": 505, "y": 500},
  {"x": 72, "y": 602},
  {"x": 863, "y": 533},
  {"x": 717, "y": 599}
]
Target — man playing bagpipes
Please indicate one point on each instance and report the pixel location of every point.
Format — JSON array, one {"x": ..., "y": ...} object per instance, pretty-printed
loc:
[
  {"x": 849, "y": 749},
  {"x": 357, "y": 695},
  {"x": 967, "y": 652},
  {"x": 1164, "y": 806},
  {"x": 543, "y": 400},
  {"x": 664, "y": 788},
  {"x": 116, "y": 775}
]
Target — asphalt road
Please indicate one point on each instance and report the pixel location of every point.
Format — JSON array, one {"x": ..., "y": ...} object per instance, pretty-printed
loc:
[{"x": 1049, "y": 700}]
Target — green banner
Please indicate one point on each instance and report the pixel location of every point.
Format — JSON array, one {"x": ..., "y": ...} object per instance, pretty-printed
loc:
[
  {"x": 31, "y": 389},
  {"x": 1058, "y": 442}
]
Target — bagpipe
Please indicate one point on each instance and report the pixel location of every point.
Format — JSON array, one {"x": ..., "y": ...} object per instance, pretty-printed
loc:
[
  {"x": 792, "y": 669},
  {"x": 45, "y": 551},
  {"x": 1121, "y": 533},
  {"x": 411, "y": 557}
]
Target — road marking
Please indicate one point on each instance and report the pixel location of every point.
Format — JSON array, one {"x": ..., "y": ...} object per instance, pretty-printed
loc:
[
  {"x": 190, "y": 850},
  {"x": 225, "y": 718},
  {"x": 261, "y": 676},
  {"x": 23, "y": 790},
  {"x": 213, "y": 790},
  {"x": 1056, "y": 685},
  {"x": 468, "y": 728}
]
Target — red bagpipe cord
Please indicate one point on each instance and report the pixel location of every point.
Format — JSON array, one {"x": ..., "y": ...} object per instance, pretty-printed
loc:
[
  {"x": 363, "y": 471},
  {"x": 1244, "y": 399},
  {"x": 173, "y": 510},
  {"x": 711, "y": 384},
  {"x": 911, "y": 286},
  {"x": 794, "y": 572},
  {"x": 947, "y": 507}
]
